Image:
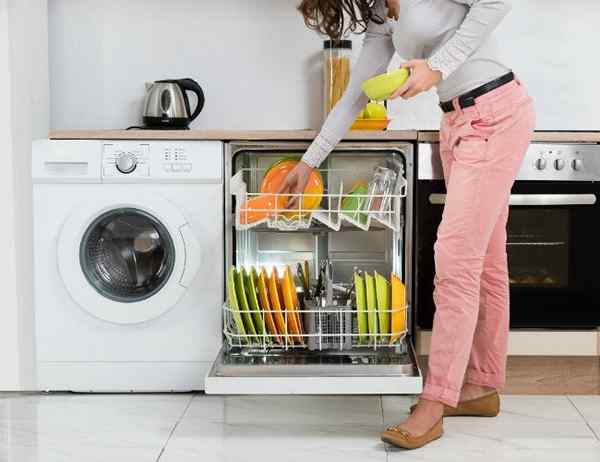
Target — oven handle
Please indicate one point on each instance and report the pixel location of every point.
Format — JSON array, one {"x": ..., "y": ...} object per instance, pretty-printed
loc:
[{"x": 539, "y": 200}]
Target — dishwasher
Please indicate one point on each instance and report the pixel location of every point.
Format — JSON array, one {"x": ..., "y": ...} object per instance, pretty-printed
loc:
[{"x": 351, "y": 234}]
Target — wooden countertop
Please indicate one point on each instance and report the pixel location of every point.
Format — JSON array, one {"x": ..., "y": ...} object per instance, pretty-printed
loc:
[
  {"x": 294, "y": 135},
  {"x": 225, "y": 135},
  {"x": 541, "y": 137}
]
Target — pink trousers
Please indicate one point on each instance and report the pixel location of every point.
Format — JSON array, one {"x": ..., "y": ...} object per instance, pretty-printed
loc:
[{"x": 482, "y": 148}]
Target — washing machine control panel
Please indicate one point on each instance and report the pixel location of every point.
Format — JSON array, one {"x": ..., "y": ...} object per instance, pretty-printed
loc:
[
  {"x": 119, "y": 159},
  {"x": 170, "y": 161}
]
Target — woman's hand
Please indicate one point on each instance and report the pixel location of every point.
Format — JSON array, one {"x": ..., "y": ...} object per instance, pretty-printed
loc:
[
  {"x": 295, "y": 183},
  {"x": 422, "y": 78}
]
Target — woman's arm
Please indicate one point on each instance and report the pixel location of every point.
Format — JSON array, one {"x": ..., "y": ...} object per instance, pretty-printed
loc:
[
  {"x": 374, "y": 59},
  {"x": 483, "y": 17}
]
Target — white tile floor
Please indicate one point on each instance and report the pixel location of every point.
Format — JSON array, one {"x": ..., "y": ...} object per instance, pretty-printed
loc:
[{"x": 181, "y": 428}]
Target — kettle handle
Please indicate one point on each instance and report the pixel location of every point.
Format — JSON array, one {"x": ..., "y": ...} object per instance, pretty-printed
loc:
[{"x": 194, "y": 87}]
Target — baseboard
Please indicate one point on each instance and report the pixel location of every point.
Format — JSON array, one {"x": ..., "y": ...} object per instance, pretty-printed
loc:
[
  {"x": 111, "y": 377},
  {"x": 537, "y": 343},
  {"x": 548, "y": 375}
]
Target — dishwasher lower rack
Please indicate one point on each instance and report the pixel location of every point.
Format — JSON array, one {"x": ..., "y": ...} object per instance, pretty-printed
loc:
[{"x": 316, "y": 328}]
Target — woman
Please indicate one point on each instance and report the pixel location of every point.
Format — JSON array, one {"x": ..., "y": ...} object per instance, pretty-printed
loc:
[{"x": 486, "y": 128}]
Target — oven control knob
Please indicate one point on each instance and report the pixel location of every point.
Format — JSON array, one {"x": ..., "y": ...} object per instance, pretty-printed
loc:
[
  {"x": 541, "y": 164},
  {"x": 577, "y": 165},
  {"x": 126, "y": 162},
  {"x": 559, "y": 164}
]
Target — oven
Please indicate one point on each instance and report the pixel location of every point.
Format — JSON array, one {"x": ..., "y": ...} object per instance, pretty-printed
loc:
[{"x": 553, "y": 236}]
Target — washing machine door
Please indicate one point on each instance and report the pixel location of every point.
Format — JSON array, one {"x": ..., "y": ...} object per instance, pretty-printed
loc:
[{"x": 127, "y": 262}]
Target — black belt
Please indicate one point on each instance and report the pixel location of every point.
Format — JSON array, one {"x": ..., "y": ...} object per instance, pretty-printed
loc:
[{"x": 468, "y": 99}]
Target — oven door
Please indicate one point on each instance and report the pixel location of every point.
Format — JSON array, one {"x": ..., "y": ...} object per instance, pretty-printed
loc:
[{"x": 553, "y": 250}]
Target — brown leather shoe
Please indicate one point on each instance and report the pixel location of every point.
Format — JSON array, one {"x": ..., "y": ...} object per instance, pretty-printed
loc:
[
  {"x": 484, "y": 406},
  {"x": 403, "y": 439}
]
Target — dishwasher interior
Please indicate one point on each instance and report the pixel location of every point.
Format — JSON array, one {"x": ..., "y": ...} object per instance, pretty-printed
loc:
[{"x": 317, "y": 275}]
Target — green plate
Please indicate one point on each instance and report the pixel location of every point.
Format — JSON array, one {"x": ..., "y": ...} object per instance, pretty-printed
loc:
[
  {"x": 233, "y": 302},
  {"x": 361, "y": 309},
  {"x": 384, "y": 304},
  {"x": 250, "y": 287},
  {"x": 243, "y": 303},
  {"x": 372, "y": 311},
  {"x": 352, "y": 205}
]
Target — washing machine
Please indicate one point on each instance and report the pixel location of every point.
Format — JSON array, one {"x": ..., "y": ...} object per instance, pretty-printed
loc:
[{"x": 128, "y": 263}]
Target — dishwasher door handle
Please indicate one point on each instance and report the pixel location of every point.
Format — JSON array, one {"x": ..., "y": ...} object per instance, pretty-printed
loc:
[{"x": 535, "y": 200}]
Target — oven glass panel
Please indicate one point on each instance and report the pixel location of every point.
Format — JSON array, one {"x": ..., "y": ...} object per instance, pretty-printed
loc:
[
  {"x": 538, "y": 247},
  {"x": 553, "y": 255}
]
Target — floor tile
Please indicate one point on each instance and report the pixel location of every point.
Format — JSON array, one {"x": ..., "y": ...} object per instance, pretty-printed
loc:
[
  {"x": 589, "y": 407},
  {"x": 291, "y": 442},
  {"x": 335, "y": 410},
  {"x": 529, "y": 428},
  {"x": 69, "y": 427},
  {"x": 276, "y": 428}
]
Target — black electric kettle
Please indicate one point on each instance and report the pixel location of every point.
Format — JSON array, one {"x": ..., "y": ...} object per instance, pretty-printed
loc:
[{"x": 167, "y": 104}]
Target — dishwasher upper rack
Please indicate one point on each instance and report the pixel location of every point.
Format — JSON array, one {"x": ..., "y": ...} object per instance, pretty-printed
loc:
[
  {"x": 375, "y": 209},
  {"x": 325, "y": 329}
]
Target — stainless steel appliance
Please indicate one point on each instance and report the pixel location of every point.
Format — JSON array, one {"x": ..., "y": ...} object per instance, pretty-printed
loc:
[
  {"x": 168, "y": 106},
  {"x": 553, "y": 244},
  {"x": 326, "y": 364}
]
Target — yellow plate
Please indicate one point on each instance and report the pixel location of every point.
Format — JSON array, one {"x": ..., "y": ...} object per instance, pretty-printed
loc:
[
  {"x": 398, "y": 308},
  {"x": 384, "y": 302},
  {"x": 370, "y": 124}
]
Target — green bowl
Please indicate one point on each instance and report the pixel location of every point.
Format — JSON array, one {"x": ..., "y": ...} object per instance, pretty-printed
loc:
[{"x": 381, "y": 87}]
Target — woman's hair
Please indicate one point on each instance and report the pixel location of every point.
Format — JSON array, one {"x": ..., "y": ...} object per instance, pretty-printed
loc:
[{"x": 336, "y": 17}]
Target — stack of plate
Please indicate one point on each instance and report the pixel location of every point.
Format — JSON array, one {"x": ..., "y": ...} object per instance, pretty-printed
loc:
[
  {"x": 265, "y": 309},
  {"x": 380, "y": 307}
]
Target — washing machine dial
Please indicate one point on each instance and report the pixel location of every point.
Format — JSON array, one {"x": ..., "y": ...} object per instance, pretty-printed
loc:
[{"x": 126, "y": 162}]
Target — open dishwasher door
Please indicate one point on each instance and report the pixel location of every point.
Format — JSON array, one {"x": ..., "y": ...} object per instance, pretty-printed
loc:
[{"x": 309, "y": 305}]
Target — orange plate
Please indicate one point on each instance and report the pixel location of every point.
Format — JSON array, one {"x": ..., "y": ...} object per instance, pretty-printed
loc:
[
  {"x": 288, "y": 298},
  {"x": 276, "y": 302},
  {"x": 278, "y": 173},
  {"x": 370, "y": 124},
  {"x": 260, "y": 207},
  {"x": 260, "y": 281}
]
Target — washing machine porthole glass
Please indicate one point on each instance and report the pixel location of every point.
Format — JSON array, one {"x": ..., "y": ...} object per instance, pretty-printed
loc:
[{"x": 127, "y": 255}]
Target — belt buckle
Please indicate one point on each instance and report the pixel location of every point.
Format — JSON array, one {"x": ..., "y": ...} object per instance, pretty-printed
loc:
[{"x": 468, "y": 102}]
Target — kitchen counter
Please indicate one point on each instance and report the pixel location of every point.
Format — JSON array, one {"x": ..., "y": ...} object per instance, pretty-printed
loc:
[
  {"x": 540, "y": 137},
  {"x": 226, "y": 135},
  {"x": 294, "y": 135}
]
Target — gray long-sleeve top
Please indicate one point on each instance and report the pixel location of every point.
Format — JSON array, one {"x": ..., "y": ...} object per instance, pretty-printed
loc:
[{"x": 454, "y": 36}]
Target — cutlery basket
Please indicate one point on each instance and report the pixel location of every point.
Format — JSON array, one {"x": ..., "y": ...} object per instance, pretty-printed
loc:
[{"x": 328, "y": 327}]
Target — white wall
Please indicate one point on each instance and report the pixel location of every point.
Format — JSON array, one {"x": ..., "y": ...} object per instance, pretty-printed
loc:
[
  {"x": 24, "y": 90},
  {"x": 9, "y": 338},
  {"x": 260, "y": 67}
]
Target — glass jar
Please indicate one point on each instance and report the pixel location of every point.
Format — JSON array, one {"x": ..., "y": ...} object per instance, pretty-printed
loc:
[{"x": 336, "y": 71}]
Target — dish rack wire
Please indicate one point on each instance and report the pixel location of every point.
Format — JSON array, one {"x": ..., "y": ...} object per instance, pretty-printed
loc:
[
  {"x": 370, "y": 209},
  {"x": 324, "y": 328}
]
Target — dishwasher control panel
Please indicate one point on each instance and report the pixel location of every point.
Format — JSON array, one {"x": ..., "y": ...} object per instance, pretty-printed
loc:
[{"x": 167, "y": 161}]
